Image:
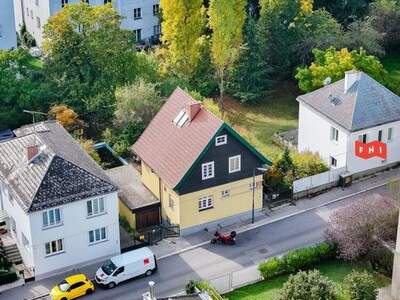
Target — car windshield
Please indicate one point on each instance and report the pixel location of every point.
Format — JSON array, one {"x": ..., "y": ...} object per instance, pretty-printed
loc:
[
  {"x": 108, "y": 267},
  {"x": 63, "y": 286}
]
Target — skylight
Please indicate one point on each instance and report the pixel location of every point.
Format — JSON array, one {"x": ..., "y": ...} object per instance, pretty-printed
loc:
[
  {"x": 181, "y": 118},
  {"x": 334, "y": 100}
]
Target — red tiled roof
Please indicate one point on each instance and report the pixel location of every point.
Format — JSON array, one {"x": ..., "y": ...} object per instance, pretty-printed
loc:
[{"x": 170, "y": 150}]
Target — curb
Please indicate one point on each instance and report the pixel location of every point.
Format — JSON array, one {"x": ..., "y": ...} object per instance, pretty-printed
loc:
[{"x": 261, "y": 223}]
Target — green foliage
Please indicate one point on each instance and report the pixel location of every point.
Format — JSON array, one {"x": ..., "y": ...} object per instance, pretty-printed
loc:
[
  {"x": 333, "y": 64},
  {"x": 8, "y": 276},
  {"x": 344, "y": 10},
  {"x": 190, "y": 287},
  {"x": 309, "y": 285},
  {"x": 25, "y": 38},
  {"x": 207, "y": 287},
  {"x": 361, "y": 286},
  {"x": 87, "y": 145},
  {"x": 381, "y": 259},
  {"x": 298, "y": 259},
  {"x": 308, "y": 163}
]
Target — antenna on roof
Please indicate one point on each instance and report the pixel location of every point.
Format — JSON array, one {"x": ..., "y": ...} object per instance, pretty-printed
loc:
[
  {"x": 327, "y": 81},
  {"x": 33, "y": 113}
]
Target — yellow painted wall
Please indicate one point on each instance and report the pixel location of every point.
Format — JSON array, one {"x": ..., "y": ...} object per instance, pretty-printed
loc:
[
  {"x": 239, "y": 201},
  {"x": 172, "y": 213},
  {"x": 127, "y": 213},
  {"x": 150, "y": 180}
]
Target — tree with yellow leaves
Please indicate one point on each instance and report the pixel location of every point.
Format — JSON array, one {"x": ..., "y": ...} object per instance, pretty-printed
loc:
[
  {"x": 226, "y": 20},
  {"x": 66, "y": 117}
]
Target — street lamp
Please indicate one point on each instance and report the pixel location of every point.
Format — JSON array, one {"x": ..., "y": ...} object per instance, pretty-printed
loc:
[{"x": 254, "y": 187}]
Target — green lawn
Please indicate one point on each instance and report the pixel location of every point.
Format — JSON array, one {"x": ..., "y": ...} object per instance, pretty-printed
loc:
[
  {"x": 335, "y": 270},
  {"x": 258, "y": 122},
  {"x": 392, "y": 65}
]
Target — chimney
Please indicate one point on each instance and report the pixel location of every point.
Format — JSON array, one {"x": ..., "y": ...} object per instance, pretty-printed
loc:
[
  {"x": 192, "y": 110},
  {"x": 350, "y": 77},
  {"x": 32, "y": 151}
]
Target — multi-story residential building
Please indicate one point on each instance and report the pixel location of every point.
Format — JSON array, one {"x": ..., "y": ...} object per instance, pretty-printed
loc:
[
  {"x": 357, "y": 108},
  {"x": 8, "y": 34},
  {"x": 60, "y": 207},
  {"x": 140, "y": 16},
  {"x": 199, "y": 168}
]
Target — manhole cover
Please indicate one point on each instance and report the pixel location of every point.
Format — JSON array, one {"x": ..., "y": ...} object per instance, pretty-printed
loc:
[{"x": 263, "y": 250}]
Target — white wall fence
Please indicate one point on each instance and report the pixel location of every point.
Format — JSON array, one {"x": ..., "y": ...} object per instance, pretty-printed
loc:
[{"x": 316, "y": 183}]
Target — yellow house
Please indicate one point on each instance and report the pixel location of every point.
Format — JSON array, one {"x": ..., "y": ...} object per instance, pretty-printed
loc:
[{"x": 200, "y": 169}]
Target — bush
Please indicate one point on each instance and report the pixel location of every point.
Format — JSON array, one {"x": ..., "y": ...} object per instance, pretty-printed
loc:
[
  {"x": 361, "y": 286},
  {"x": 296, "y": 260},
  {"x": 8, "y": 276},
  {"x": 381, "y": 259},
  {"x": 308, "y": 285}
]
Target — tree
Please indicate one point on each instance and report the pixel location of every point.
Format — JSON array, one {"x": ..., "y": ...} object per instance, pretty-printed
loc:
[
  {"x": 361, "y": 286},
  {"x": 309, "y": 285},
  {"x": 345, "y": 11},
  {"x": 226, "y": 20},
  {"x": 136, "y": 103},
  {"x": 87, "y": 145},
  {"x": 87, "y": 55},
  {"x": 334, "y": 64},
  {"x": 66, "y": 117},
  {"x": 357, "y": 227},
  {"x": 183, "y": 24}
]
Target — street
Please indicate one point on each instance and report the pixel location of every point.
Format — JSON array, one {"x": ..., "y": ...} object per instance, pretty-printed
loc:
[{"x": 210, "y": 261}]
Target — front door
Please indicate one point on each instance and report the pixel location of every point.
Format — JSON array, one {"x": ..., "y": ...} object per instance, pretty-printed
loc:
[{"x": 147, "y": 217}]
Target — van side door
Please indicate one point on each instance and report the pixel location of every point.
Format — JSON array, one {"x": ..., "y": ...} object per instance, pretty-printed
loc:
[{"x": 119, "y": 274}]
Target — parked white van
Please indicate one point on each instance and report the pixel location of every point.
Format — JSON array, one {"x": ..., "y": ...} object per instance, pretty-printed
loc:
[{"x": 126, "y": 266}]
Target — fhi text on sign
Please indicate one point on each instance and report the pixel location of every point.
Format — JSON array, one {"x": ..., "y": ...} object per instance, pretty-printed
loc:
[{"x": 369, "y": 150}]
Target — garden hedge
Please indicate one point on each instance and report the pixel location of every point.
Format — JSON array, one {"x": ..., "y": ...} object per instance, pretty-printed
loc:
[
  {"x": 7, "y": 277},
  {"x": 296, "y": 260}
]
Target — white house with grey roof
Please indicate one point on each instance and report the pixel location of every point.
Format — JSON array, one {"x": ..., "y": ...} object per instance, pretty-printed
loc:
[
  {"x": 333, "y": 118},
  {"x": 61, "y": 208}
]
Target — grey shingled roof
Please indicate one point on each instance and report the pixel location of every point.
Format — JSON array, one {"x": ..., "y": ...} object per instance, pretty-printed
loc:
[
  {"x": 366, "y": 104},
  {"x": 64, "y": 173}
]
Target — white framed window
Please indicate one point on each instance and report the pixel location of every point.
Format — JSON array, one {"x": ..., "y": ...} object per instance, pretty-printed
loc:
[
  {"x": 221, "y": 140},
  {"x": 206, "y": 203},
  {"x": 380, "y": 135},
  {"x": 31, "y": 14},
  {"x": 333, "y": 162},
  {"x": 27, "y": 11},
  {"x": 157, "y": 29},
  {"x": 156, "y": 9},
  {"x": 37, "y": 2},
  {"x": 334, "y": 134},
  {"x": 97, "y": 235},
  {"x": 225, "y": 193},
  {"x": 390, "y": 134},
  {"x": 170, "y": 201},
  {"x": 25, "y": 241},
  {"x": 138, "y": 34},
  {"x": 363, "y": 138},
  {"x": 207, "y": 170},
  {"x": 38, "y": 25},
  {"x": 137, "y": 13},
  {"x": 95, "y": 207},
  {"x": 51, "y": 217},
  {"x": 234, "y": 163},
  {"x": 54, "y": 247}
]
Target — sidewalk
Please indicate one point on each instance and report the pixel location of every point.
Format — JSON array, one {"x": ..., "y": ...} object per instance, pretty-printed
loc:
[{"x": 173, "y": 246}]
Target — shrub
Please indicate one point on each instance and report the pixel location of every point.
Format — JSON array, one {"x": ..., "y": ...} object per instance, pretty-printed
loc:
[
  {"x": 308, "y": 285},
  {"x": 361, "y": 286},
  {"x": 273, "y": 267},
  {"x": 190, "y": 287},
  {"x": 7, "y": 277},
  {"x": 381, "y": 259}
]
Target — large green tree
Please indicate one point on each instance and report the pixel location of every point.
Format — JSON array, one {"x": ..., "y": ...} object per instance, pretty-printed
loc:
[
  {"x": 226, "y": 20},
  {"x": 87, "y": 55},
  {"x": 345, "y": 11}
]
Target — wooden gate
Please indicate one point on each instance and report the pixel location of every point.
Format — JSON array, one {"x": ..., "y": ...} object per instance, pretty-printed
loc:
[{"x": 147, "y": 217}]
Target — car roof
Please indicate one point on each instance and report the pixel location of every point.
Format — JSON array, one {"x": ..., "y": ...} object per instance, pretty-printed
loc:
[
  {"x": 75, "y": 278},
  {"x": 132, "y": 256}
]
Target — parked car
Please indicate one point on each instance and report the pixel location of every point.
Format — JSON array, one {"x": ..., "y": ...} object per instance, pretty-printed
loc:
[
  {"x": 126, "y": 266},
  {"x": 72, "y": 287}
]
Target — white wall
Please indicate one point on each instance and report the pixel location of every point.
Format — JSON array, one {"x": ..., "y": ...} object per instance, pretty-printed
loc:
[
  {"x": 314, "y": 135},
  {"x": 41, "y": 11},
  {"x": 75, "y": 234},
  {"x": 8, "y": 37}
]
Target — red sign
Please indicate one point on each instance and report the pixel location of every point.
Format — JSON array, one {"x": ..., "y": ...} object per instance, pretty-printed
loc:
[
  {"x": 372, "y": 149},
  {"x": 146, "y": 261}
]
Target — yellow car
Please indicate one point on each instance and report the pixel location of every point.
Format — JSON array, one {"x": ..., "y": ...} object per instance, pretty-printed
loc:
[{"x": 72, "y": 287}]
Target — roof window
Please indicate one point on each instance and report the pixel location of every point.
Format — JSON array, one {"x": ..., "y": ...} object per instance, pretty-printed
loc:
[{"x": 181, "y": 118}]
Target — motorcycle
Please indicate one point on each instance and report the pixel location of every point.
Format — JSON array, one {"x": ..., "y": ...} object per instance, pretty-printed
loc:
[{"x": 224, "y": 238}]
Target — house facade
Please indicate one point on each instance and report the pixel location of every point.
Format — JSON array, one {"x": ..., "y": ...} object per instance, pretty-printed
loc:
[
  {"x": 140, "y": 16},
  {"x": 8, "y": 34},
  {"x": 357, "y": 108},
  {"x": 199, "y": 168},
  {"x": 61, "y": 209}
]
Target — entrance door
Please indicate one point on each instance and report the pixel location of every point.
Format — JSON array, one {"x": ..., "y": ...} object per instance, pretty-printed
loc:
[{"x": 147, "y": 217}]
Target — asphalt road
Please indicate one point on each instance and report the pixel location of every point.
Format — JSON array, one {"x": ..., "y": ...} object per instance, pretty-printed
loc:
[{"x": 211, "y": 261}]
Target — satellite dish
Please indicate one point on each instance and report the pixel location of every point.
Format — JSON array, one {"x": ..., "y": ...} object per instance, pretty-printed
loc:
[{"x": 327, "y": 81}]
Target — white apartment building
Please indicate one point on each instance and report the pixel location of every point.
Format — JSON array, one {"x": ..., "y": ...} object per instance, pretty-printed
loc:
[
  {"x": 61, "y": 209},
  {"x": 8, "y": 34},
  {"x": 333, "y": 118},
  {"x": 140, "y": 16}
]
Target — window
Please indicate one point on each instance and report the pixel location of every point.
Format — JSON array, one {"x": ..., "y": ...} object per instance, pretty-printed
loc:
[
  {"x": 54, "y": 247},
  {"x": 225, "y": 193},
  {"x": 390, "y": 134},
  {"x": 1, "y": 31},
  {"x": 206, "y": 203},
  {"x": 362, "y": 138},
  {"x": 51, "y": 217},
  {"x": 107, "y": 1},
  {"x": 156, "y": 9},
  {"x": 25, "y": 241},
  {"x": 170, "y": 201},
  {"x": 31, "y": 14},
  {"x": 138, "y": 35},
  {"x": 95, "y": 207},
  {"x": 97, "y": 235},
  {"x": 76, "y": 285},
  {"x": 333, "y": 162},
  {"x": 334, "y": 134},
  {"x": 119, "y": 271},
  {"x": 157, "y": 29},
  {"x": 137, "y": 13},
  {"x": 63, "y": 2},
  {"x": 38, "y": 22},
  {"x": 221, "y": 140},
  {"x": 27, "y": 11},
  {"x": 380, "y": 135},
  {"x": 207, "y": 170},
  {"x": 234, "y": 164},
  {"x": 13, "y": 225},
  {"x": 87, "y": 1},
  {"x": 37, "y": 2}
]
